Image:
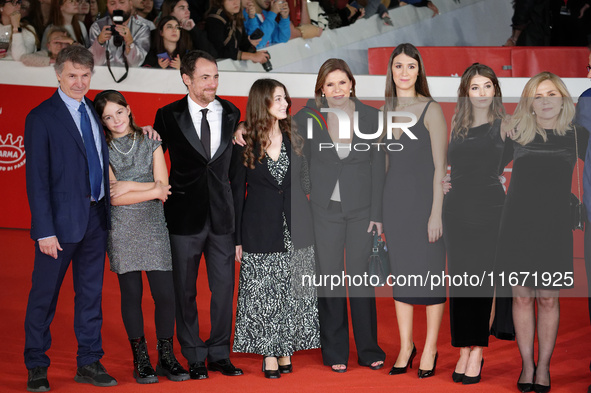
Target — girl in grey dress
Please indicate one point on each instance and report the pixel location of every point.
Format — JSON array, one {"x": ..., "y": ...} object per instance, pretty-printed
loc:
[{"x": 138, "y": 239}]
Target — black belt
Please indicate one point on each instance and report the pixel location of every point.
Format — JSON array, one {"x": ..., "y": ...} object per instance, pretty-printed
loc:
[{"x": 94, "y": 203}]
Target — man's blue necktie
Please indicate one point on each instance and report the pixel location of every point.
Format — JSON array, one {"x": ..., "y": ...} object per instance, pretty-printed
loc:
[{"x": 94, "y": 164}]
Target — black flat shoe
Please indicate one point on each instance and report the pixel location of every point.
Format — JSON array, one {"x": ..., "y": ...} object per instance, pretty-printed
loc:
[
  {"x": 285, "y": 368},
  {"x": 270, "y": 374},
  {"x": 472, "y": 380},
  {"x": 457, "y": 377},
  {"x": 198, "y": 370},
  {"x": 401, "y": 370},
  {"x": 224, "y": 366},
  {"x": 429, "y": 373}
]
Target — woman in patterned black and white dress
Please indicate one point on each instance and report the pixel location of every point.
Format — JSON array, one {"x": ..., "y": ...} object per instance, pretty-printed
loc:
[{"x": 276, "y": 314}]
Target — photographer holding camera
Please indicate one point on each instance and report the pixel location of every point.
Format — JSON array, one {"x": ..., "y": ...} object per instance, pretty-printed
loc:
[{"x": 118, "y": 38}]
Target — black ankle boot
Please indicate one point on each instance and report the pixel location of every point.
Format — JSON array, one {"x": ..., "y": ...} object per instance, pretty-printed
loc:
[
  {"x": 167, "y": 365},
  {"x": 142, "y": 369}
]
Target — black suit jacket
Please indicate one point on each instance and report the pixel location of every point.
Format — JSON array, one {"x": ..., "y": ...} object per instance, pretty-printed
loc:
[
  {"x": 200, "y": 187},
  {"x": 361, "y": 175},
  {"x": 260, "y": 202}
]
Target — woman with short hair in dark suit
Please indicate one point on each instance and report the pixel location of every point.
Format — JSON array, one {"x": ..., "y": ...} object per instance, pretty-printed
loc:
[
  {"x": 347, "y": 178},
  {"x": 276, "y": 315}
]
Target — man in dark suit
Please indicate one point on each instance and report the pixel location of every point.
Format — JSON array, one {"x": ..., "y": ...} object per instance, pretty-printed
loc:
[
  {"x": 68, "y": 191},
  {"x": 197, "y": 131}
]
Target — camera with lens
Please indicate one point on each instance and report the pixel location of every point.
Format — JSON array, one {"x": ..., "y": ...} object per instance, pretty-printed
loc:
[
  {"x": 267, "y": 66},
  {"x": 117, "y": 20}
]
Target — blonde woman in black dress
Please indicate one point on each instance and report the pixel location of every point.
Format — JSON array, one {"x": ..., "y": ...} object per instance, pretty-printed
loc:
[{"x": 535, "y": 237}]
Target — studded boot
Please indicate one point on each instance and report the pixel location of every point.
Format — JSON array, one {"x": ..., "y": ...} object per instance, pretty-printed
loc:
[
  {"x": 142, "y": 369},
  {"x": 167, "y": 365}
]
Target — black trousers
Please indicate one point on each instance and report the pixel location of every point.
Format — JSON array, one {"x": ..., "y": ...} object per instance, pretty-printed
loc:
[
  {"x": 588, "y": 262},
  {"x": 337, "y": 232},
  {"x": 162, "y": 290},
  {"x": 219, "y": 252}
]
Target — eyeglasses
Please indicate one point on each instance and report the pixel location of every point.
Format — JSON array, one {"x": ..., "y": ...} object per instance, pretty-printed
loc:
[
  {"x": 172, "y": 27},
  {"x": 588, "y": 67},
  {"x": 16, "y": 2}
]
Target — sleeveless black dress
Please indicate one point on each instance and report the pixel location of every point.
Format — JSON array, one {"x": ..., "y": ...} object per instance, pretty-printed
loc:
[
  {"x": 471, "y": 217},
  {"x": 536, "y": 229},
  {"x": 408, "y": 197}
]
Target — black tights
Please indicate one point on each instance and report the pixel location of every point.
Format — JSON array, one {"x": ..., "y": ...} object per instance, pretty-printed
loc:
[{"x": 162, "y": 290}]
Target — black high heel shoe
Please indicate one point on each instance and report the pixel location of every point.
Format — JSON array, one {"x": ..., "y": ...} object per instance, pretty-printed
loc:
[
  {"x": 401, "y": 370},
  {"x": 542, "y": 388},
  {"x": 457, "y": 377},
  {"x": 285, "y": 368},
  {"x": 429, "y": 373},
  {"x": 472, "y": 380},
  {"x": 271, "y": 374},
  {"x": 526, "y": 387}
]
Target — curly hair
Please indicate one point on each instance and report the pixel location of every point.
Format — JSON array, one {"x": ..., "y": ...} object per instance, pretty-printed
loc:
[{"x": 259, "y": 121}]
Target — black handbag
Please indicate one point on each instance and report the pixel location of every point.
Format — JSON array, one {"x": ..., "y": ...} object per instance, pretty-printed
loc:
[
  {"x": 378, "y": 264},
  {"x": 577, "y": 209}
]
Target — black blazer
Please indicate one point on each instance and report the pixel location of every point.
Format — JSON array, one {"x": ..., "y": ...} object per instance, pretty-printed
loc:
[
  {"x": 260, "y": 202},
  {"x": 200, "y": 188},
  {"x": 361, "y": 175}
]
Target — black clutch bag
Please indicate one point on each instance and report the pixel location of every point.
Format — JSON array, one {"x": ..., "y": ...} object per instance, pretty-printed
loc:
[
  {"x": 379, "y": 264},
  {"x": 577, "y": 212}
]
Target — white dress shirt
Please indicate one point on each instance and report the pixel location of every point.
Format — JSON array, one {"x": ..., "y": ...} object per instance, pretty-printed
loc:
[{"x": 214, "y": 118}]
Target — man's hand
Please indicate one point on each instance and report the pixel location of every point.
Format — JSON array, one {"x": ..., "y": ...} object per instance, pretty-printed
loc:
[
  {"x": 250, "y": 9},
  {"x": 275, "y": 6},
  {"x": 283, "y": 9},
  {"x": 105, "y": 35},
  {"x": 238, "y": 138},
  {"x": 125, "y": 33},
  {"x": 151, "y": 133},
  {"x": 50, "y": 246}
]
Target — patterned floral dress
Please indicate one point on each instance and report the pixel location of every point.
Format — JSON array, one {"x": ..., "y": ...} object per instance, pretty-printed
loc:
[{"x": 276, "y": 315}]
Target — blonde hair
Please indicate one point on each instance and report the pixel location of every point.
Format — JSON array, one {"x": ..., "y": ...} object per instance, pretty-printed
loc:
[{"x": 524, "y": 121}]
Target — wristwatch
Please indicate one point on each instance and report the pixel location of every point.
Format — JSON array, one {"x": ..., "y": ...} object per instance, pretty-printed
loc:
[{"x": 132, "y": 45}]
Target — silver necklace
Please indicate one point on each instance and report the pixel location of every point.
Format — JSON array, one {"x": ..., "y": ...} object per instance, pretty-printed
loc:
[{"x": 130, "y": 149}]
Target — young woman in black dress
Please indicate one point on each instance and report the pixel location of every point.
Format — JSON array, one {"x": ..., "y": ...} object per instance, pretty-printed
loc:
[
  {"x": 413, "y": 201},
  {"x": 472, "y": 212}
]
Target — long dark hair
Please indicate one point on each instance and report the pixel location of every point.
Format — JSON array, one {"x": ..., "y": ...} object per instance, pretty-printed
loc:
[
  {"x": 329, "y": 66},
  {"x": 464, "y": 116},
  {"x": 183, "y": 45},
  {"x": 421, "y": 86},
  {"x": 101, "y": 100},
  {"x": 56, "y": 18},
  {"x": 259, "y": 122}
]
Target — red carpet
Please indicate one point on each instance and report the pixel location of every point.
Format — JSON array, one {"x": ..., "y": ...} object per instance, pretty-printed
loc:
[{"x": 570, "y": 363}]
